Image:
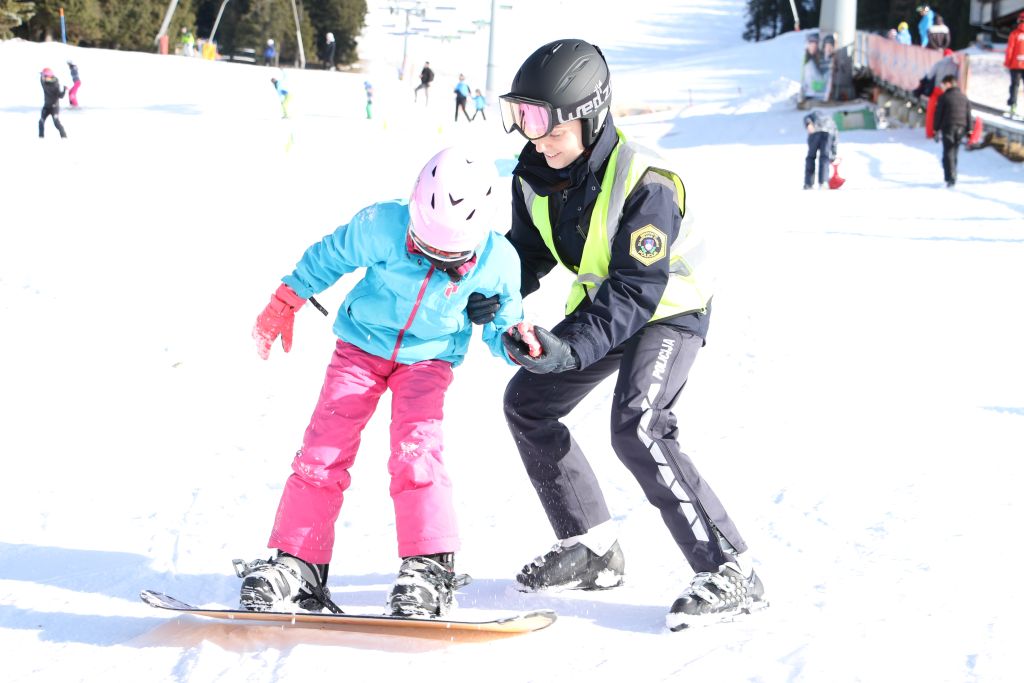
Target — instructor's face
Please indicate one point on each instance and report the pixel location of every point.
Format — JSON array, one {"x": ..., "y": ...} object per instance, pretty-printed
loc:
[{"x": 563, "y": 145}]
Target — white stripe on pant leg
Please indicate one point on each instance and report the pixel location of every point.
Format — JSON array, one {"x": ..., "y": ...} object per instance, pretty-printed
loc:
[{"x": 666, "y": 476}]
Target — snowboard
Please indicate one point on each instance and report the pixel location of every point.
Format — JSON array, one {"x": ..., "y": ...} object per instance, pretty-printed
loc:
[{"x": 518, "y": 622}]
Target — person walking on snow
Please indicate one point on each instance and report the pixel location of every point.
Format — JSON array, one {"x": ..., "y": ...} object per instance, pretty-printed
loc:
[
  {"x": 402, "y": 327},
  {"x": 822, "y": 144},
  {"x": 76, "y": 82},
  {"x": 1014, "y": 61},
  {"x": 329, "y": 50},
  {"x": 614, "y": 214},
  {"x": 953, "y": 120},
  {"x": 461, "y": 97},
  {"x": 480, "y": 103},
  {"x": 426, "y": 78},
  {"x": 52, "y": 95}
]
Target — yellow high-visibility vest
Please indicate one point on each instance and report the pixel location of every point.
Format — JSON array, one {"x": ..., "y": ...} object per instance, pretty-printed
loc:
[{"x": 690, "y": 284}]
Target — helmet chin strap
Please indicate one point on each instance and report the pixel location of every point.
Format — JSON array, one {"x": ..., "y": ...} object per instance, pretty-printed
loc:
[{"x": 453, "y": 269}]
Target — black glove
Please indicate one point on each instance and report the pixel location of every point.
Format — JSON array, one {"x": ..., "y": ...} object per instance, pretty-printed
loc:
[
  {"x": 482, "y": 309},
  {"x": 556, "y": 355}
]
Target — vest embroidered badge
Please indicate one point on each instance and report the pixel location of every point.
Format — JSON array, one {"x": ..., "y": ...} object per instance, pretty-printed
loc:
[{"x": 647, "y": 244}]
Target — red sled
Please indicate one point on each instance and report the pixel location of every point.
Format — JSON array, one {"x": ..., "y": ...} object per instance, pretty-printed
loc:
[
  {"x": 976, "y": 132},
  {"x": 835, "y": 182}
]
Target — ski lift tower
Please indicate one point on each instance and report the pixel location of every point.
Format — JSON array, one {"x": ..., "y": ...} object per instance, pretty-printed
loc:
[
  {"x": 840, "y": 18},
  {"x": 414, "y": 8}
]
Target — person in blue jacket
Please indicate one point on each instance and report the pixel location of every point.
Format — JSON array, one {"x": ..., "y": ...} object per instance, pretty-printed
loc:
[
  {"x": 925, "y": 23},
  {"x": 402, "y": 327},
  {"x": 903, "y": 34},
  {"x": 480, "y": 103},
  {"x": 461, "y": 97}
]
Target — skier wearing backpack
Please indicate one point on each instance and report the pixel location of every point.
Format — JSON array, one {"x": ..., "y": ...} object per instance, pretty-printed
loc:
[{"x": 402, "y": 327}]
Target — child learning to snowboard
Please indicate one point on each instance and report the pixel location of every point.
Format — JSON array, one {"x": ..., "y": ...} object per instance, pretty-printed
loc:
[{"x": 402, "y": 327}]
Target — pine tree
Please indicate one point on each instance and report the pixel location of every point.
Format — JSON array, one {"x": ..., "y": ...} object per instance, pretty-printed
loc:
[{"x": 13, "y": 14}]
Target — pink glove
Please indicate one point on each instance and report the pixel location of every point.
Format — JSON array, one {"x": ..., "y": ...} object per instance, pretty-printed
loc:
[{"x": 277, "y": 319}]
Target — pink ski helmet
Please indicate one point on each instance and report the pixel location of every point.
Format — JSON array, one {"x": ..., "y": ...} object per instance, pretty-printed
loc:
[
  {"x": 47, "y": 73},
  {"x": 453, "y": 203}
]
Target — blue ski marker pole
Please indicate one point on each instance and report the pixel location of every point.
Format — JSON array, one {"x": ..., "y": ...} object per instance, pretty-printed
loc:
[{"x": 63, "y": 30}]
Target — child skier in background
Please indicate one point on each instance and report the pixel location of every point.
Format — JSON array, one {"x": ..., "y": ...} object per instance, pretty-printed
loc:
[
  {"x": 479, "y": 102},
  {"x": 402, "y": 327},
  {"x": 283, "y": 95},
  {"x": 52, "y": 95},
  {"x": 73, "y": 93}
]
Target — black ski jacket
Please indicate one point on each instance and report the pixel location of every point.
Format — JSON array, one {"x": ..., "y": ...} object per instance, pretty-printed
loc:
[
  {"x": 953, "y": 110},
  {"x": 628, "y": 298},
  {"x": 52, "y": 92}
]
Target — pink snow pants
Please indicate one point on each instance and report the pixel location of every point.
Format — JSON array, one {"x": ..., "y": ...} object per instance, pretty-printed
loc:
[
  {"x": 420, "y": 488},
  {"x": 73, "y": 94}
]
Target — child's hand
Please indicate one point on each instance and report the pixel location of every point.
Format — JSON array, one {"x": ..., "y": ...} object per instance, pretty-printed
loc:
[{"x": 277, "y": 320}]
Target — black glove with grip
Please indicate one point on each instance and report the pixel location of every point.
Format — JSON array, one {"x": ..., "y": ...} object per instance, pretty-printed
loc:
[
  {"x": 556, "y": 355},
  {"x": 482, "y": 309}
]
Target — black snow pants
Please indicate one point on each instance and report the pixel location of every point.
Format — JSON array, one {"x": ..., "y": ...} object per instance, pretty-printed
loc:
[
  {"x": 817, "y": 145},
  {"x": 652, "y": 370},
  {"x": 53, "y": 111},
  {"x": 950, "y": 146}
]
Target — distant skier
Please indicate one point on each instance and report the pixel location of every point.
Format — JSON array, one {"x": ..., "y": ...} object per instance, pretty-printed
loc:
[
  {"x": 329, "y": 49},
  {"x": 283, "y": 95},
  {"x": 426, "y": 78},
  {"x": 1014, "y": 61},
  {"x": 369, "y": 99},
  {"x": 188, "y": 42},
  {"x": 403, "y": 327},
  {"x": 52, "y": 95},
  {"x": 822, "y": 144},
  {"x": 73, "y": 93},
  {"x": 480, "y": 103},
  {"x": 269, "y": 53},
  {"x": 461, "y": 97}
]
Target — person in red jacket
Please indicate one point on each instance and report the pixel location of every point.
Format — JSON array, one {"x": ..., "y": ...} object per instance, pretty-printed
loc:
[{"x": 1015, "y": 61}]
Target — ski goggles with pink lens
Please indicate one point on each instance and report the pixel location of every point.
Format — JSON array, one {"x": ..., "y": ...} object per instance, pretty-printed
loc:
[
  {"x": 532, "y": 118},
  {"x": 439, "y": 256}
]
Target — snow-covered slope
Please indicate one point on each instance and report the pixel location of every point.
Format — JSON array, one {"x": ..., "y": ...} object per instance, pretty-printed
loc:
[{"x": 859, "y": 405}]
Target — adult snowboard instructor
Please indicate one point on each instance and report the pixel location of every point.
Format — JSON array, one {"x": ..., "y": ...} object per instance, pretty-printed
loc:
[{"x": 615, "y": 215}]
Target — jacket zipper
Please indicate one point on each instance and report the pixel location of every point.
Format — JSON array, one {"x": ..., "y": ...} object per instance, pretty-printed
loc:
[{"x": 412, "y": 314}]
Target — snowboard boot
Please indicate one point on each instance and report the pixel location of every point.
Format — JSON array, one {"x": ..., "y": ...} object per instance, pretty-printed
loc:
[
  {"x": 573, "y": 566},
  {"x": 717, "y": 596},
  {"x": 283, "y": 584},
  {"x": 425, "y": 586}
]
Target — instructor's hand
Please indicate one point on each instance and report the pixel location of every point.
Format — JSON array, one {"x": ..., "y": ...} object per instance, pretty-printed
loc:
[{"x": 538, "y": 350}]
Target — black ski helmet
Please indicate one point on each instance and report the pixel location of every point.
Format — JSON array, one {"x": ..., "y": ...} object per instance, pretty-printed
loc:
[{"x": 572, "y": 76}]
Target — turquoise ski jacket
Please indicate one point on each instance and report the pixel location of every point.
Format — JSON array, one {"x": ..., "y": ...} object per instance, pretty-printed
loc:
[{"x": 403, "y": 308}]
